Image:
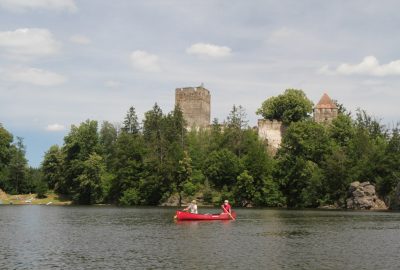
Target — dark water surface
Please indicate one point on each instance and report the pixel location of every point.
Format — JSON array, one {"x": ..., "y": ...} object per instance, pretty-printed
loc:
[{"x": 55, "y": 237}]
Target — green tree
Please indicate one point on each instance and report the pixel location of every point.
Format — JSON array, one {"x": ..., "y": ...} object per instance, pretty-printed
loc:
[
  {"x": 52, "y": 167},
  {"x": 244, "y": 189},
  {"x": 81, "y": 163},
  {"x": 6, "y": 140},
  {"x": 131, "y": 124},
  {"x": 236, "y": 125},
  {"x": 108, "y": 137},
  {"x": 184, "y": 176},
  {"x": 291, "y": 106},
  {"x": 222, "y": 168},
  {"x": 18, "y": 167},
  {"x": 128, "y": 164},
  {"x": 90, "y": 189},
  {"x": 303, "y": 149}
]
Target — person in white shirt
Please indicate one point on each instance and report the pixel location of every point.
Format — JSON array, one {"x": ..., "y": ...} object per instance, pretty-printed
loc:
[{"x": 192, "y": 207}]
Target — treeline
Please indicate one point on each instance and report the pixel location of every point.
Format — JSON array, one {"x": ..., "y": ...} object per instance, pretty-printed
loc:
[
  {"x": 148, "y": 163},
  {"x": 159, "y": 160},
  {"x": 15, "y": 174}
]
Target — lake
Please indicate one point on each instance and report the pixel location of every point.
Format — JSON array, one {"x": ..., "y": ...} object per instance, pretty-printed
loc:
[{"x": 103, "y": 237}]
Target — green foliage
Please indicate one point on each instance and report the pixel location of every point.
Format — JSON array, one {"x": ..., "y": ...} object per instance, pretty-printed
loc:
[
  {"x": 130, "y": 197},
  {"x": 41, "y": 189},
  {"x": 52, "y": 166},
  {"x": 245, "y": 188},
  {"x": 131, "y": 124},
  {"x": 314, "y": 166},
  {"x": 291, "y": 106},
  {"x": 222, "y": 168}
]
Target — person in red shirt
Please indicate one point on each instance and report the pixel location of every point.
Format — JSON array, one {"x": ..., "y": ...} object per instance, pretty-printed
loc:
[{"x": 227, "y": 207}]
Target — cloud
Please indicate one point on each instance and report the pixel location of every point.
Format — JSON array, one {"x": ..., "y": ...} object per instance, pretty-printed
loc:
[
  {"x": 80, "y": 39},
  {"x": 28, "y": 43},
  {"x": 23, "y": 5},
  {"x": 210, "y": 50},
  {"x": 33, "y": 76},
  {"x": 368, "y": 66},
  {"x": 284, "y": 35},
  {"x": 112, "y": 84},
  {"x": 55, "y": 127},
  {"x": 144, "y": 61}
]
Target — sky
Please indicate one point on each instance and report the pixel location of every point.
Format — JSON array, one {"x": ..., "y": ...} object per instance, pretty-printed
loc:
[{"x": 65, "y": 61}]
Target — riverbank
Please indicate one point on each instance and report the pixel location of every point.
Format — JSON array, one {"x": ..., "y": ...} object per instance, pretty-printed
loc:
[{"x": 24, "y": 199}]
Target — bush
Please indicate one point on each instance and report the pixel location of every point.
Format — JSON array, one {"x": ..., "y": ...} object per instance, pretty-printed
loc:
[
  {"x": 130, "y": 197},
  {"x": 41, "y": 189}
]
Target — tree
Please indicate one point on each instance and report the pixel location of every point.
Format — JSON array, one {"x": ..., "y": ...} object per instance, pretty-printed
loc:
[
  {"x": 291, "y": 106},
  {"x": 52, "y": 167},
  {"x": 127, "y": 164},
  {"x": 303, "y": 149},
  {"x": 82, "y": 166},
  {"x": 131, "y": 124},
  {"x": 235, "y": 127},
  {"x": 184, "y": 176},
  {"x": 244, "y": 189},
  {"x": 222, "y": 168},
  {"x": 18, "y": 168},
  {"x": 108, "y": 137},
  {"x": 90, "y": 189},
  {"x": 6, "y": 139}
]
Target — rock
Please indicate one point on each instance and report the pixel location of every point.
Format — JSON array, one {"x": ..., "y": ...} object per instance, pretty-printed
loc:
[
  {"x": 369, "y": 190},
  {"x": 354, "y": 186},
  {"x": 362, "y": 196},
  {"x": 363, "y": 184}
]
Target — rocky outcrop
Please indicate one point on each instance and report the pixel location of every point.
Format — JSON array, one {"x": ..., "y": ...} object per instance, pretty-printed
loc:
[{"x": 362, "y": 196}]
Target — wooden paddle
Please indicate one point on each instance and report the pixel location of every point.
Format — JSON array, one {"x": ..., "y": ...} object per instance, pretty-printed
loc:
[{"x": 226, "y": 211}]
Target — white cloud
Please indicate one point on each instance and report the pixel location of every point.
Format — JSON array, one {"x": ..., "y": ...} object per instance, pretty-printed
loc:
[
  {"x": 112, "y": 84},
  {"x": 205, "y": 49},
  {"x": 80, "y": 39},
  {"x": 145, "y": 61},
  {"x": 368, "y": 66},
  {"x": 28, "y": 42},
  {"x": 33, "y": 76},
  {"x": 23, "y": 5},
  {"x": 284, "y": 35},
  {"x": 55, "y": 127}
]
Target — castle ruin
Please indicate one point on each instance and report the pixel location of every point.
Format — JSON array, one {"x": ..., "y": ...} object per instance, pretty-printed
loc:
[
  {"x": 273, "y": 130},
  {"x": 326, "y": 110},
  {"x": 195, "y": 105}
]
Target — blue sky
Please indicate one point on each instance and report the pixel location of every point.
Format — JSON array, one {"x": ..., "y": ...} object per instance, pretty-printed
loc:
[{"x": 65, "y": 61}]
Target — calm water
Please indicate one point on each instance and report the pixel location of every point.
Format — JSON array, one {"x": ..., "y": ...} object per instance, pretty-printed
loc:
[{"x": 55, "y": 237}]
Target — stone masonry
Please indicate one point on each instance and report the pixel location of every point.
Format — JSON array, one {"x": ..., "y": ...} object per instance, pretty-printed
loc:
[
  {"x": 326, "y": 110},
  {"x": 195, "y": 105},
  {"x": 271, "y": 131}
]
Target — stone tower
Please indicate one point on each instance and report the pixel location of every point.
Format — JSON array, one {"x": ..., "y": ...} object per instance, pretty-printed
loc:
[
  {"x": 326, "y": 110},
  {"x": 195, "y": 105},
  {"x": 272, "y": 131}
]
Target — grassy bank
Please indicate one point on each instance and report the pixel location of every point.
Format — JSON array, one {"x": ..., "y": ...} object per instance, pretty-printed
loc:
[{"x": 21, "y": 199}]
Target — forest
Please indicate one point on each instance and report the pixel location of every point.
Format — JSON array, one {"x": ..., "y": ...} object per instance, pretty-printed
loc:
[{"x": 159, "y": 160}]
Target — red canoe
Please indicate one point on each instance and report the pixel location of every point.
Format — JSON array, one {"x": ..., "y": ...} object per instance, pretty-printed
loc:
[{"x": 181, "y": 215}]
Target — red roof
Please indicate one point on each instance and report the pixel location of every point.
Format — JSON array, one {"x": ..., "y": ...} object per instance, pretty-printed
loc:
[{"x": 326, "y": 103}]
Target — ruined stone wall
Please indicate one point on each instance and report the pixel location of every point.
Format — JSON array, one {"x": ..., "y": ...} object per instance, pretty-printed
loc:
[
  {"x": 272, "y": 131},
  {"x": 325, "y": 115},
  {"x": 195, "y": 105}
]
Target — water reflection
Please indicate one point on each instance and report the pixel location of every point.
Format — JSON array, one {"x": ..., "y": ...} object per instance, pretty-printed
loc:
[{"x": 43, "y": 237}]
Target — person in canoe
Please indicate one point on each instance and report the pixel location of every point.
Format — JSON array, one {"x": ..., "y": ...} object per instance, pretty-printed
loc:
[
  {"x": 192, "y": 207},
  {"x": 226, "y": 207}
]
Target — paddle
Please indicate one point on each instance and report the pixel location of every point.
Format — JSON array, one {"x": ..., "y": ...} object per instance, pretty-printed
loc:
[{"x": 226, "y": 211}]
